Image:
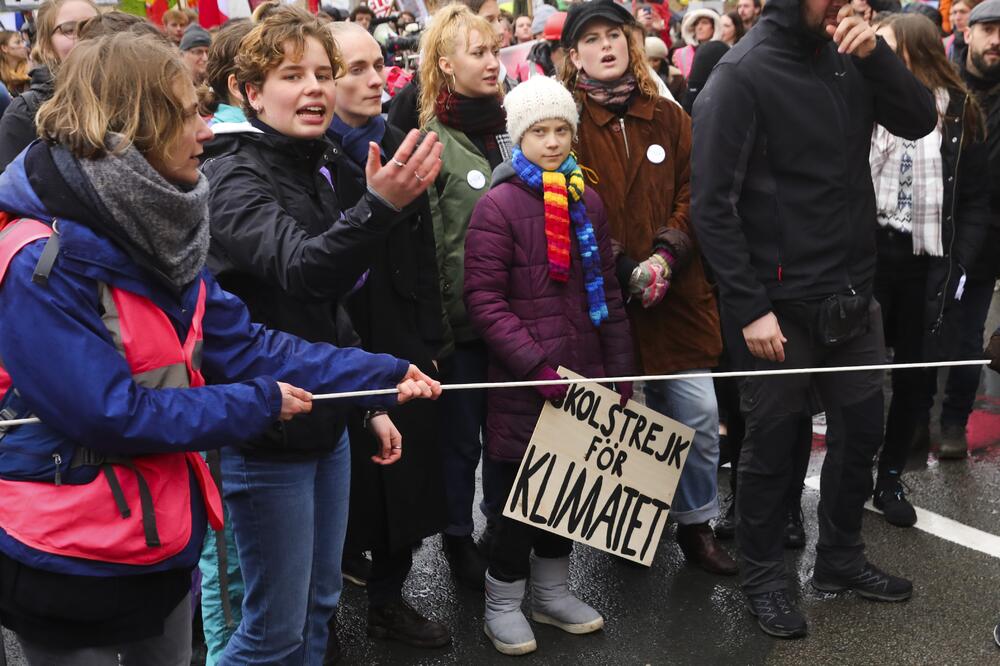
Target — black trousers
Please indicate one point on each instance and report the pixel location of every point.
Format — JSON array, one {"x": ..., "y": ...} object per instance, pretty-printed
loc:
[
  {"x": 901, "y": 290},
  {"x": 727, "y": 390},
  {"x": 389, "y": 571},
  {"x": 963, "y": 381},
  {"x": 772, "y": 407},
  {"x": 514, "y": 540}
]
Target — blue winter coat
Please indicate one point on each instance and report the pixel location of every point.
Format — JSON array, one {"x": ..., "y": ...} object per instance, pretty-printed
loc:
[{"x": 62, "y": 360}]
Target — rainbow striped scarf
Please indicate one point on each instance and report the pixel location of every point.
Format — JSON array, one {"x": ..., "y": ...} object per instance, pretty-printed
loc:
[{"x": 562, "y": 195}]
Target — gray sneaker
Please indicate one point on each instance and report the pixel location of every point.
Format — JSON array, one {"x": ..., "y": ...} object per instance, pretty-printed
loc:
[{"x": 954, "y": 444}]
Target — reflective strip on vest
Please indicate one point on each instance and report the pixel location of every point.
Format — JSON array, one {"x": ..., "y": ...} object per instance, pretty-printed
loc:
[
  {"x": 13, "y": 238},
  {"x": 84, "y": 520}
]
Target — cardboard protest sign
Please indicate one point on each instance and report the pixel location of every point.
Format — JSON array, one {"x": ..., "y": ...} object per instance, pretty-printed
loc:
[{"x": 601, "y": 474}]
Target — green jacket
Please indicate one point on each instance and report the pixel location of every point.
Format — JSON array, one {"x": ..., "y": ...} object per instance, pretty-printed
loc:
[{"x": 452, "y": 201}]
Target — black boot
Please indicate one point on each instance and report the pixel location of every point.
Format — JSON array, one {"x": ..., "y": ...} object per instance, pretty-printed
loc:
[
  {"x": 398, "y": 621},
  {"x": 467, "y": 564},
  {"x": 795, "y": 532},
  {"x": 890, "y": 499}
]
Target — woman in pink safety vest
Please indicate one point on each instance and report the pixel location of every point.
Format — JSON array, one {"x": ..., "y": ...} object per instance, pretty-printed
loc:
[{"x": 133, "y": 358}]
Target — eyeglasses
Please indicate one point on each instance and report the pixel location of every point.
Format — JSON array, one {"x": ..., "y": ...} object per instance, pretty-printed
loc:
[{"x": 68, "y": 28}]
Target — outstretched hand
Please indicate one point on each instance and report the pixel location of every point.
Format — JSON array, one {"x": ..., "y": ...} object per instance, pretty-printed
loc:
[{"x": 408, "y": 173}]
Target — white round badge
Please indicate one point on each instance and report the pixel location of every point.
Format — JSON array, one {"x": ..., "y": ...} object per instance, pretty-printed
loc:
[
  {"x": 656, "y": 153},
  {"x": 477, "y": 180}
]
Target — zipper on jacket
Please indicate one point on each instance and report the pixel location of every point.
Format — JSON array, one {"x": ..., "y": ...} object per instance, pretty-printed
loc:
[
  {"x": 57, "y": 459},
  {"x": 838, "y": 104},
  {"x": 951, "y": 240},
  {"x": 621, "y": 124}
]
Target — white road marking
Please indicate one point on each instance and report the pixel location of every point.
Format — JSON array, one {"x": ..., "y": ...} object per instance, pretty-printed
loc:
[{"x": 944, "y": 528}]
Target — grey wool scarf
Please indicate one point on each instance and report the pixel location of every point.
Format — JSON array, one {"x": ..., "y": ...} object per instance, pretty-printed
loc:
[{"x": 166, "y": 223}]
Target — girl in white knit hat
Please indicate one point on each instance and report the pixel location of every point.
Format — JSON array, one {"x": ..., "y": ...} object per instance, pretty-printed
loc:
[{"x": 540, "y": 288}]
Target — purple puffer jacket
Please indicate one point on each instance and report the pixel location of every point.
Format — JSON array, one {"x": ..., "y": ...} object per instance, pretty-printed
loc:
[{"x": 529, "y": 320}]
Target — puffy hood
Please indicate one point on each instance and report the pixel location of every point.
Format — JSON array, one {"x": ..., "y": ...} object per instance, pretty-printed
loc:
[{"x": 692, "y": 16}]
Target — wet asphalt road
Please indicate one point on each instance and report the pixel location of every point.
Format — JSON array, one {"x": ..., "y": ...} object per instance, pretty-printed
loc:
[{"x": 673, "y": 613}]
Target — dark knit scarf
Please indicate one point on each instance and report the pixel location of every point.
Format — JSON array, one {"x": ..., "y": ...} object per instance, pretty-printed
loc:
[
  {"x": 482, "y": 119},
  {"x": 165, "y": 222},
  {"x": 562, "y": 189},
  {"x": 354, "y": 140},
  {"x": 613, "y": 94}
]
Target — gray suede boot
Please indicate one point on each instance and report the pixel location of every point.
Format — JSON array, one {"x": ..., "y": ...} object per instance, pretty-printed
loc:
[
  {"x": 505, "y": 624},
  {"x": 551, "y": 601}
]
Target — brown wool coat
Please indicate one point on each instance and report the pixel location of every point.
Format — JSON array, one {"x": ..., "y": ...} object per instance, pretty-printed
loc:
[{"x": 647, "y": 204}]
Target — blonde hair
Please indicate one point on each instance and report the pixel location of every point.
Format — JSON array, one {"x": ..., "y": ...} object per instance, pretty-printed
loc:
[
  {"x": 449, "y": 29},
  {"x": 123, "y": 83},
  {"x": 13, "y": 72},
  {"x": 636, "y": 62},
  {"x": 43, "y": 52},
  {"x": 263, "y": 48}
]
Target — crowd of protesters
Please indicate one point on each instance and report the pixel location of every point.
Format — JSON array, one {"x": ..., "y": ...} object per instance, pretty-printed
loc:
[{"x": 200, "y": 227}]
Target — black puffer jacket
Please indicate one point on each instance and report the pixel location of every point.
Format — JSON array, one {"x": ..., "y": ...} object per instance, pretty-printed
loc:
[
  {"x": 782, "y": 198},
  {"x": 17, "y": 127},
  {"x": 282, "y": 243}
]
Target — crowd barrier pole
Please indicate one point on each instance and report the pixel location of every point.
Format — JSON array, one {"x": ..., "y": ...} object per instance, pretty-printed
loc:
[{"x": 613, "y": 380}]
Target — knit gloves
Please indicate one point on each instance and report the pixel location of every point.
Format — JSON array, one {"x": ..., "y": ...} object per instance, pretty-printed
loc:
[
  {"x": 552, "y": 392},
  {"x": 651, "y": 279}
]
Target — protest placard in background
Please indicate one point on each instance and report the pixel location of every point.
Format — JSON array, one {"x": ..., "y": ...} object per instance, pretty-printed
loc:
[{"x": 601, "y": 474}]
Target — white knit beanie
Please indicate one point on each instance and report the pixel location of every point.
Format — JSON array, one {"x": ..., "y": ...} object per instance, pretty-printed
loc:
[{"x": 539, "y": 98}]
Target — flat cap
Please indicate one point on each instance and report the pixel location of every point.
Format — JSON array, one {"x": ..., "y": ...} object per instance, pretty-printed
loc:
[
  {"x": 985, "y": 12},
  {"x": 582, "y": 13}
]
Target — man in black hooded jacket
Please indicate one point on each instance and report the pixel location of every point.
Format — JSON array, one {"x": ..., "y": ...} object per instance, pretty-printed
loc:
[{"x": 784, "y": 209}]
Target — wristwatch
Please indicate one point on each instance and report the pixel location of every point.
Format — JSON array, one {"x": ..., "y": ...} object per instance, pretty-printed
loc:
[{"x": 371, "y": 414}]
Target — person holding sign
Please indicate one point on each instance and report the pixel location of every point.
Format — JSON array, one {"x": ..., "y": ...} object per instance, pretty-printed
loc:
[
  {"x": 640, "y": 145},
  {"x": 540, "y": 288}
]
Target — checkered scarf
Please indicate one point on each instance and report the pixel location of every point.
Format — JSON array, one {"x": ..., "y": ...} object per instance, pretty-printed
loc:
[
  {"x": 909, "y": 183},
  {"x": 562, "y": 194}
]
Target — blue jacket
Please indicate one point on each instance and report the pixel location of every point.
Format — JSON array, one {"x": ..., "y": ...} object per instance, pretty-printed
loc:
[{"x": 62, "y": 360}]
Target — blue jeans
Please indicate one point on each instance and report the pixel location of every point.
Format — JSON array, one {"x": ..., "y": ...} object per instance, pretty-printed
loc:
[
  {"x": 693, "y": 403},
  {"x": 290, "y": 520}
]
